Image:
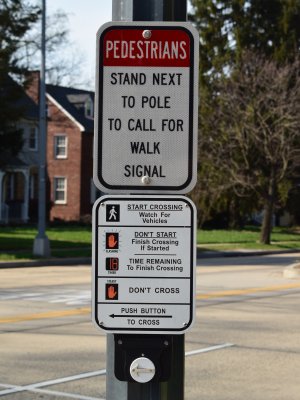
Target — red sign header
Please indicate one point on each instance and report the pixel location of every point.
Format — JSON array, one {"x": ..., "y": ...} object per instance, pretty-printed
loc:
[{"x": 164, "y": 48}]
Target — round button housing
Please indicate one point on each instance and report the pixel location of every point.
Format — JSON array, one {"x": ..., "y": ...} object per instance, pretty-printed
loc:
[{"x": 142, "y": 370}]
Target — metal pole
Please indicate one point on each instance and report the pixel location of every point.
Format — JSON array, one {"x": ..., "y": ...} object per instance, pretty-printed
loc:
[
  {"x": 148, "y": 10},
  {"x": 41, "y": 245}
]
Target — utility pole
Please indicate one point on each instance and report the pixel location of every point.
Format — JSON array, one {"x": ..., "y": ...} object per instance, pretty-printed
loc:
[
  {"x": 41, "y": 246},
  {"x": 147, "y": 48},
  {"x": 173, "y": 389}
]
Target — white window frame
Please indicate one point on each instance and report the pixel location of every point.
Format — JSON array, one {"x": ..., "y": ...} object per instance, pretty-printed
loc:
[
  {"x": 33, "y": 130},
  {"x": 60, "y": 156},
  {"x": 56, "y": 190}
]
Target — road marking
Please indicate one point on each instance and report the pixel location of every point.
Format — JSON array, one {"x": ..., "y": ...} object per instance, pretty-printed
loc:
[
  {"x": 35, "y": 387},
  {"x": 207, "y": 349},
  {"x": 46, "y": 315},
  {"x": 242, "y": 292},
  {"x": 53, "y": 382},
  {"x": 87, "y": 310},
  {"x": 70, "y": 297}
]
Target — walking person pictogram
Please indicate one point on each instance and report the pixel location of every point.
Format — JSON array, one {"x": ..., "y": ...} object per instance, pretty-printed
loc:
[{"x": 113, "y": 213}]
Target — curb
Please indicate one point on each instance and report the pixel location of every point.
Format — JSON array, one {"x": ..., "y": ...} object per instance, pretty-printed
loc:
[
  {"x": 242, "y": 253},
  {"x": 48, "y": 262}
]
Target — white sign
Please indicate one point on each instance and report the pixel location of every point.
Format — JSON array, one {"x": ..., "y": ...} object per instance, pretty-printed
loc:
[
  {"x": 146, "y": 107},
  {"x": 144, "y": 263}
]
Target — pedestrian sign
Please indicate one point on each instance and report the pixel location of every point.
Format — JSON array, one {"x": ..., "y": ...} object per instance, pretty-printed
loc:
[
  {"x": 146, "y": 108},
  {"x": 143, "y": 263}
]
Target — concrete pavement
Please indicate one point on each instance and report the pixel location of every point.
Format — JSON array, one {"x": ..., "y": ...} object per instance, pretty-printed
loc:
[{"x": 52, "y": 351}]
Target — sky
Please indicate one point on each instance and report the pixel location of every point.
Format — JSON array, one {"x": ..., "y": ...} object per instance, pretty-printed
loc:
[{"x": 85, "y": 18}]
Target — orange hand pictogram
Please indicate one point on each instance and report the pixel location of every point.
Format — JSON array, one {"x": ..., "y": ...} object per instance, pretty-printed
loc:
[
  {"x": 111, "y": 241},
  {"x": 111, "y": 293}
]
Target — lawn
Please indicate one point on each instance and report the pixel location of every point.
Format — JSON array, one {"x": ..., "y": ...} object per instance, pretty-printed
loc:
[
  {"x": 75, "y": 241},
  {"x": 65, "y": 240},
  {"x": 248, "y": 238}
]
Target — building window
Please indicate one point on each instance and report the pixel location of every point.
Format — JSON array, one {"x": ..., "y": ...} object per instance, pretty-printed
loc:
[
  {"x": 60, "y": 146},
  {"x": 89, "y": 108},
  {"x": 60, "y": 190},
  {"x": 33, "y": 139}
]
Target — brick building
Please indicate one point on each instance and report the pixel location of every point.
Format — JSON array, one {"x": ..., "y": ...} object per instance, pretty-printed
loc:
[
  {"x": 70, "y": 122},
  {"x": 70, "y": 152}
]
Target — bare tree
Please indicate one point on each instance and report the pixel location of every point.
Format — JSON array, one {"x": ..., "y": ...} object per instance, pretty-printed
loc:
[
  {"x": 64, "y": 59},
  {"x": 254, "y": 130}
]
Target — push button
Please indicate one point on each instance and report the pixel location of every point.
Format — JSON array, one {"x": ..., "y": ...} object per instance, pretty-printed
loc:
[{"x": 142, "y": 370}]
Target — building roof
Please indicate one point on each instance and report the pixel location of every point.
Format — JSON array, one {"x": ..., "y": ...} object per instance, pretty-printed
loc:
[
  {"x": 73, "y": 101},
  {"x": 13, "y": 92}
]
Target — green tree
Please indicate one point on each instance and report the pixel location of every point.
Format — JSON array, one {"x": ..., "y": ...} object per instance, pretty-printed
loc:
[
  {"x": 227, "y": 29},
  {"x": 16, "y": 18}
]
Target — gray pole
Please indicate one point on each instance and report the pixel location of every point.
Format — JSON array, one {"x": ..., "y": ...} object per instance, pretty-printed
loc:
[
  {"x": 148, "y": 10},
  {"x": 41, "y": 245}
]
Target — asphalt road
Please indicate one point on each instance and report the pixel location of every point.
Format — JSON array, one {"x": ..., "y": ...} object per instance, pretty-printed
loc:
[{"x": 244, "y": 344}]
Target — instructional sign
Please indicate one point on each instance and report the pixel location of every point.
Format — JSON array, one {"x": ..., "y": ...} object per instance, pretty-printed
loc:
[
  {"x": 144, "y": 263},
  {"x": 146, "y": 107}
]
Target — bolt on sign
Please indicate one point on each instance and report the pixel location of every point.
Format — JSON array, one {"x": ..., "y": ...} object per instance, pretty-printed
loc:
[
  {"x": 144, "y": 263},
  {"x": 146, "y": 107}
]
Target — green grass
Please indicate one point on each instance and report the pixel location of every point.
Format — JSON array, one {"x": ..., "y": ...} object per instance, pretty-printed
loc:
[
  {"x": 247, "y": 238},
  {"x": 66, "y": 241},
  {"x": 75, "y": 241}
]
